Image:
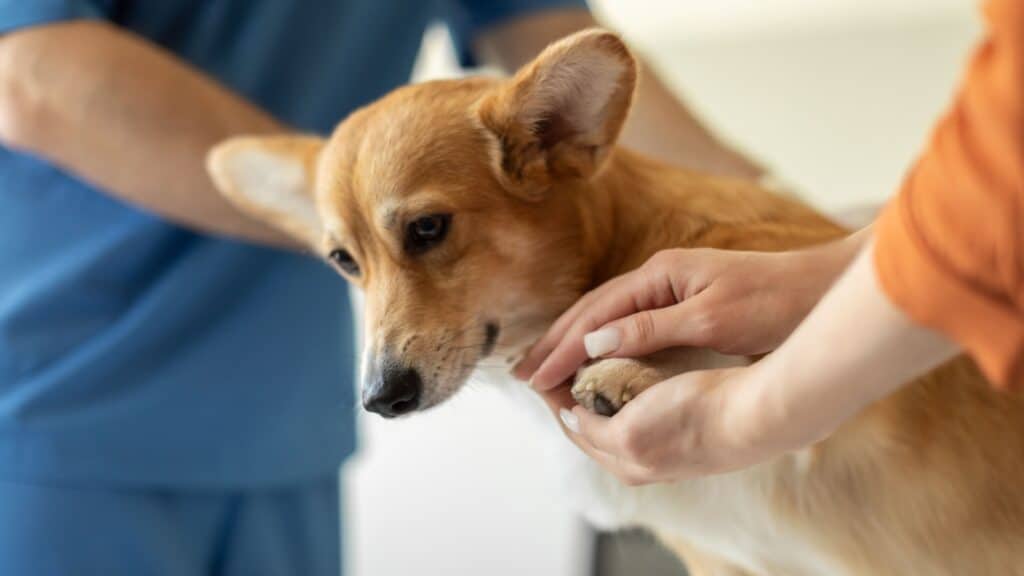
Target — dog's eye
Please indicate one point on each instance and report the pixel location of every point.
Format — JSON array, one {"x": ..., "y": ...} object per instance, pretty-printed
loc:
[
  {"x": 342, "y": 259},
  {"x": 426, "y": 232}
]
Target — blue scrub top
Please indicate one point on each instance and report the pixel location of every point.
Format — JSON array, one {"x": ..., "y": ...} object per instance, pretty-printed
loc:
[{"x": 133, "y": 351}]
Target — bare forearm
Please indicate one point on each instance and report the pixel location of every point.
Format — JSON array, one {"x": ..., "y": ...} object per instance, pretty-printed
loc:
[
  {"x": 131, "y": 119},
  {"x": 835, "y": 256},
  {"x": 854, "y": 348},
  {"x": 659, "y": 125}
]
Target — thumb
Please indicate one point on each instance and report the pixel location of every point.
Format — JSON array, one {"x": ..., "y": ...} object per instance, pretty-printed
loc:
[{"x": 648, "y": 331}]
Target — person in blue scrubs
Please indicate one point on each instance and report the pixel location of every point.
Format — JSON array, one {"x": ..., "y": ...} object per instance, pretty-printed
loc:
[{"x": 176, "y": 381}]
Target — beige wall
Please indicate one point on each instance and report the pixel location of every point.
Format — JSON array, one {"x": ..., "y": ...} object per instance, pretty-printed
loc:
[{"x": 838, "y": 95}]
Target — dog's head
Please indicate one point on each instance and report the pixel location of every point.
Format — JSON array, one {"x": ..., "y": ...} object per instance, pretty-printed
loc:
[{"x": 454, "y": 205}]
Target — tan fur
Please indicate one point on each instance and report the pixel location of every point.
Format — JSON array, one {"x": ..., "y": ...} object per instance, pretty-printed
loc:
[{"x": 544, "y": 207}]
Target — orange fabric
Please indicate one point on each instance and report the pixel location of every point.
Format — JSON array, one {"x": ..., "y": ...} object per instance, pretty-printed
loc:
[{"x": 949, "y": 248}]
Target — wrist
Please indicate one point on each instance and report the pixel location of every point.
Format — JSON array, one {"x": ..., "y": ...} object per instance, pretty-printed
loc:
[
  {"x": 821, "y": 266},
  {"x": 778, "y": 409},
  {"x": 754, "y": 414}
]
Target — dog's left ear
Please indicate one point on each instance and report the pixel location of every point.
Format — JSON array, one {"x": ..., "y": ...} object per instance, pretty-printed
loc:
[{"x": 560, "y": 115}]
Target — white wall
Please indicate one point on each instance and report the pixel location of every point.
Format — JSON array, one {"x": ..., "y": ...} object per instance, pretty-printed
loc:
[{"x": 836, "y": 95}]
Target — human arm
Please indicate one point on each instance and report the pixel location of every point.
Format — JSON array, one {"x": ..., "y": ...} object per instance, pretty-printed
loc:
[
  {"x": 127, "y": 117},
  {"x": 734, "y": 302},
  {"x": 948, "y": 256},
  {"x": 714, "y": 421}
]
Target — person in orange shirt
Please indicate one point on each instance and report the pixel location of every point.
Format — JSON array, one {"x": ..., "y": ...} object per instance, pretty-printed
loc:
[{"x": 939, "y": 273}]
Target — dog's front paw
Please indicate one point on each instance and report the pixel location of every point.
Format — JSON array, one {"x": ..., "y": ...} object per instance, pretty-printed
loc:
[{"x": 605, "y": 386}]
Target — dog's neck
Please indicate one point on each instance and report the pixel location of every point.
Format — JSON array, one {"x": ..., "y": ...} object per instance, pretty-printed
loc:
[{"x": 630, "y": 210}]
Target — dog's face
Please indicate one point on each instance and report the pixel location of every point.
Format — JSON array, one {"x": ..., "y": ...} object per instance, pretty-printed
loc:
[{"x": 454, "y": 205}]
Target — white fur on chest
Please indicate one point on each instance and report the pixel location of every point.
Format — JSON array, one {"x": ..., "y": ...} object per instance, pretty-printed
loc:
[{"x": 727, "y": 515}]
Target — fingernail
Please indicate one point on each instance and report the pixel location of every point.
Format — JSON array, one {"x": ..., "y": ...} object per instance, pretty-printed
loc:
[
  {"x": 601, "y": 342},
  {"x": 571, "y": 421}
]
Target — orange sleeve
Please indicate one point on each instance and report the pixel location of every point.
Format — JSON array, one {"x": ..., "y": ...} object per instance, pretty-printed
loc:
[{"x": 949, "y": 249}]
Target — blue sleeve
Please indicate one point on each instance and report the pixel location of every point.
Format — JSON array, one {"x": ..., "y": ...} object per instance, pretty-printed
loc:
[
  {"x": 16, "y": 14},
  {"x": 467, "y": 18}
]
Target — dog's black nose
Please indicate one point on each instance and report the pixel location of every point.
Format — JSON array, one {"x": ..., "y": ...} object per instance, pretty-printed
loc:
[{"x": 397, "y": 392}]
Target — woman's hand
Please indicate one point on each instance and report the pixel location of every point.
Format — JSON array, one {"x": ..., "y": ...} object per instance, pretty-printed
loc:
[
  {"x": 734, "y": 302},
  {"x": 854, "y": 348},
  {"x": 689, "y": 425}
]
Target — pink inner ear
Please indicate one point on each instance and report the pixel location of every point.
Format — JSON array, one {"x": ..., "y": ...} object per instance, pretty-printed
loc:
[
  {"x": 559, "y": 117},
  {"x": 571, "y": 94}
]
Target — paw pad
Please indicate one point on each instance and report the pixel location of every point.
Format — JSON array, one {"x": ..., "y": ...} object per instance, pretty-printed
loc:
[{"x": 603, "y": 406}]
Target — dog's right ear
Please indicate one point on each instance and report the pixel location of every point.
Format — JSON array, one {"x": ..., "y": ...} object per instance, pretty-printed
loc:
[
  {"x": 271, "y": 178},
  {"x": 560, "y": 115}
]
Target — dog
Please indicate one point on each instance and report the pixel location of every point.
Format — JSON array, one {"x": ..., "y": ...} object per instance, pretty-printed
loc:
[{"x": 472, "y": 212}]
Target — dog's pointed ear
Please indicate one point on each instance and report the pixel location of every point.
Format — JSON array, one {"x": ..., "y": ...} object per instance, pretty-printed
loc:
[
  {"x": 560, "y": 115},
  {"x": 272, "y": 179}
]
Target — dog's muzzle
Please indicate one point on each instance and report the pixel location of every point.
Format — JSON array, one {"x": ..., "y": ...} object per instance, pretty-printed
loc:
[{"x": 392, "y": 389}]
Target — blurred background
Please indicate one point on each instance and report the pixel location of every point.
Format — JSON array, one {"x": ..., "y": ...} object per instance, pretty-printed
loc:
[{"x": 836, "y": 97}]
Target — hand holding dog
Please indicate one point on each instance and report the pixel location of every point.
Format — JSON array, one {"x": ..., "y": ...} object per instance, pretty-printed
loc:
[
  {"x": 686, "y": 426},
  {"x": 715, "y": 421},
  {"x": 733, "y": 302}
]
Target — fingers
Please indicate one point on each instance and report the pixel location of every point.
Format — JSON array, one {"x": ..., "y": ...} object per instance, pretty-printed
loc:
[
  {"x": 589, "y": 432},
  {"x": 556, "y": 333},
  {"x": 584, "y": 428},
  {"x": 627, "y": 335},
  {"x": 628, "y": 473},
  {"x": 558, "y": 399},
  {"x": 648, "y": 331},
  {"x": 563, "y": 352},
  {"x": 601, "y": 432}
]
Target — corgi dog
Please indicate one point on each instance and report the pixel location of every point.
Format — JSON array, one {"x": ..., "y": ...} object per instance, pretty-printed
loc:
[{"x": 472, "y": 212}]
